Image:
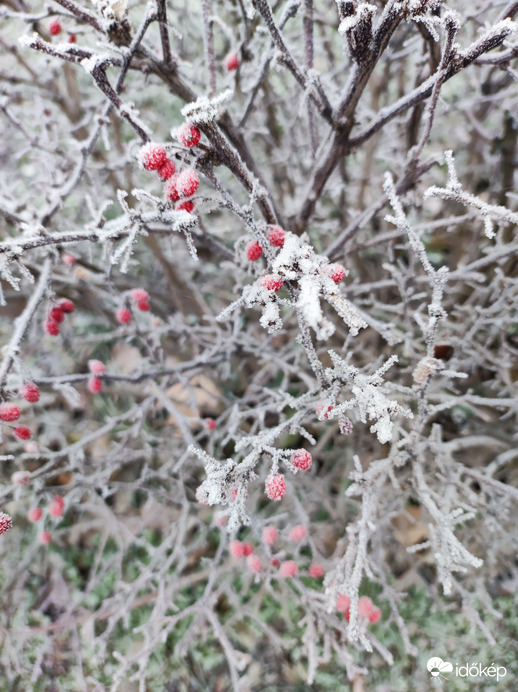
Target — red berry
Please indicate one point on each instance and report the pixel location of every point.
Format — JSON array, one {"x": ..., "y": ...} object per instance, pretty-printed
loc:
[
  {"x": 253, "y": 562},
  {"x": 171, "y": 189},
  {"x": 72, "y": 38},
  {"x": 301, "y": 459},
  {"x": 275, "y": 486},
  {"x": 35, "y": 514},
  {"x": 343, "y": 603},
  {"x": 186, "y": 205},
  {"x": 152, "y": 156},
  {"x": 59, "y": 500},
  {"x": 21, "y": 478},
  {"x": 275, "y": 562},
  {"x": 143, "y": 305},
  {"x": 67, "y": 306},
  {"x": 188, "y": 135},
  {"x": 123, "y": 315},
  {"x": 277, "y": 236},
  {"x": 94, "y": 385},
  {"x": 248, "y": 549},
  {"x": 69, "y": 259},
  {"x": 322, "y": 410},
  {"x": 56, "y": 314},
  {"x": 56, "y": 508},
  {"x": 51, "y": 327},
  {"x": 269, "y": 535},
  {"x": 9, "y": 412},
  {"x": 271, "y": 282},
  {"x": 139, "y": 294},
  {"x": 187, "y": 182},
  {"x": 22, "y": 432},
  {"x": 288, "y": 569},
  {"x": 365, "y": 606},
  {"x": 5, "y": 522},
  {"x": 210, "y": 423},
  {"x": 45, "y": 537},
  {"x": 254, "y": 251},
  {"x": 237, "y": 549},
  {"x": 166, "y": 170},
  {"x": 30, "y": 392},
  {"x": 345, "y": 425},
  {"x": 336, "y": 272},
  {"x": 375, "y": 615},
  {"x": 231, "y": 61},
  {"x": 298, "y": 533},
  {"x": 55, "y": 28},
  {"x": 316, "y": 571},
  {"x": 96, "y": 367}
]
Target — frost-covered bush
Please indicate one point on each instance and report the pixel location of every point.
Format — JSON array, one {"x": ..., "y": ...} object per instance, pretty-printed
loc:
[{"x": 259, "y": 297}]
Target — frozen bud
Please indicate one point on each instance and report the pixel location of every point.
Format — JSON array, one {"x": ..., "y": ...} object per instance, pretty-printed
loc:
[
  {"x": 5, "y": 522},
  {"x": 20, "y": 478},
  {"x": 123, "y": 315},
  {"x": 343, "y": 603},
  {"x": 45, "y": 537},
  {"x": 231, "y": 61},
  {"x": 316, "y": 571},
  {"x": 345, "y": 426},
  {"x": 187, "y": 182},
  {"x": 275, "y": 486},
  {"x": 209, "y": 423},
  {"x": 171, "y": 189},
  {"x": 269, "y": 535},
  {"x": 152, "y": 156},
  {"x": 277, "y": 236},
  {"x": 35, "y": 514},
  {"x": 96, "y": 367},
  {"x": 56, "y": 508},
  {"x": 67, "y": 306},
  {"x": 364, "y": 607},
  {"x": 271, "y": 282},
  {"x": 298, "y": 533},
  {"x": 56, "y": 314},
  {"x": 9, "y": 412},
  {"x": 188, "y": 135},
  {"x": 335, "y": 272},
  {"x": 425, "y": 368},
  {"x": 323, "y": 411},
  {"x": 186, "y": 205},
  {"x": 237, "y": 549},
  {"x": 166, "y": 170},
  {"x": 22, "y": 432},
  {"x": 253, "y": 563},
  {"x": 51, "y": 327},
  {"x": 72, "y": 38},
  {"x": 94, "y": 385},
  {"x": 301, "y": 459},
  {"x": 30, "y": 392},
  {"x": 254, "y": 251},
  {"x": 288, "y": 569},
  {"x": 54, "y": 27}
]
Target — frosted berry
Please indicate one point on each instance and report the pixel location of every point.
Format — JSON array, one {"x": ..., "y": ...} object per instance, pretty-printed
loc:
[
  {"x": 364, "y": 607},
  {"x": 31, "y": 447},
  {"x": 55, "y": 28},
  {"x": 123, "y": 315},
  {"x": 94, "y": 385},
  {"x": 9, "y": 412},
  {"x": 231, "y": 61},
  {"x": 30, "y": 392},
  {"x": 166, "y": 170},
  {"x": 343, "y": 603},
  {"x": 316, "y": 571},
  {"x": 5, "y": 522},
  {"x": 275, "y": 486},
  {"x": 298, "y": 533},
  {"x": 22, "y": 432},
  {"x": 171, "y": 189},
  {"x": 237, "y": 549},
  {"x": 209, "y": 423},
  {"x": 72, "y": 38},
  {"x": 254, "y": 251},
  {"x": 51, "y": 327},
  {"x": 186, "y": 205},
  {"x": 336, "y": 272},
  {"x": 152, "y": 156},
  {"x": 269, "y": 535},
  {"x": 345, "y": 425},
  {"x": 143, "y": 305},
  {"x": 20, "y": 477},
  {"x": 301, "y": 459},
  {"x": 275, "y": 562},
  {"x": 288, "y": 569},
  {"x": 56, "y": 314},
  {"x": 56, "y": 508},
  {"x": 253, "y": 563},
  {"x": 96, "y": 367},
  {"x": 375, "y": 615},
  {"x": 322, "y": 410},
  {"x": 139, "y": 294},
  {"x": 67, "y": 306},
  {"x": 35, "y": 514},
  {"x": 187, "y": 182},
  {"x": 221, "y": 521},
  {"x": 188, "y": 135},
  {"x": 271, "y": 282},
  {"x": 69, "y": 259},
  {"x": 45, "y": 537},
  {"x": 59, "y": 500},
  {"x": 277, "y": 236},
  {"x": 248, "y": 549}
]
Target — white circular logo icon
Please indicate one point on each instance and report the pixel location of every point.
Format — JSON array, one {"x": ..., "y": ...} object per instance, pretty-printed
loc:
[{"x": 436, "y": 666}]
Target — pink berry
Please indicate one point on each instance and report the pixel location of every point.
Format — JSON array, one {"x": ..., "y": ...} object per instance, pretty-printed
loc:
[
  {"x": 139, "y": 294},
  {"x": 271, "y": 282},
  {"x": 301, "y": 459},
  {"x": 288, "y": 569},
  {"x": 94, "y": 385},
  {"x": 55, "y": 28},
  {"x": 237, "y": 549},
  {"x": 30, "y": 392},
  {"x": 9, "y": 412},
  {"x": 96, "y": 367},
  {"x": 210, "y": 423},
  {"x": 298, "y": 533},
  {"x": 59, "y": 500},
  {"x": 269, "y": 535},
  {"x": 188, "y": 135},
  {"x": 254, "y": 251},
  {"x": 20, "y": 478},
  {"x": 231, "y": 61},
  {"x": 253, "y": 562},
  {"x": 67, "y": 306},
  {"x": 248, "y": 549},
  {"x": 187, "y": 182},
  {"x": 186, "y": 205},
  {"x": 5, "y": 522},
  {"x": 72, "y": 38},
  {"x": 221, "y": 521},
  {"x": 275, "y": 486},
  {"x": 364, "y": 606},
  {"x": 277, "y": 236},
  {"x": 56, "y": 314},
  {"x": 152, "y": 156},
  {"x": 35, "y": 514},
  {"x": 51, "y": 327},
  {"x": 123, "y": 315},
  {"x": 45, "y": 537},
  {"x": 375, "y": 615},
  {"x": 322, "y": 410},
  {"x": 343, "y": 603},
  {"x": 336, "y": 272},
  {"x": 171, "y": 189},
  {"x": 316, "y": 571},
  {"x": 166, "y": 170},
  {"x": 22, "y": 432},
  {"x": 56, "y": 509},
  {"x": 69, "y": 259}
]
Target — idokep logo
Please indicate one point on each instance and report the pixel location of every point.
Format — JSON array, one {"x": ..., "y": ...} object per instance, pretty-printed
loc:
[{"x": 437, "y": 667}]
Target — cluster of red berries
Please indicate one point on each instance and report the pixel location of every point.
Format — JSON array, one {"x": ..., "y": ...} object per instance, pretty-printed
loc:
[
  {"x": 56, "y": 315},
  {"x": 10, "y": 412},
  {"x": 56, "y": 509},
  {"x": 5, "y": 522},
  {"x": 96, "y": 368},
  {"x": 275, "y": 484},
  {"x": 140, "y": 298},
  {"x": 55, "y": 29},
  {"x": 367, "y": 611},
  {"x": 276, "y": 237}
]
